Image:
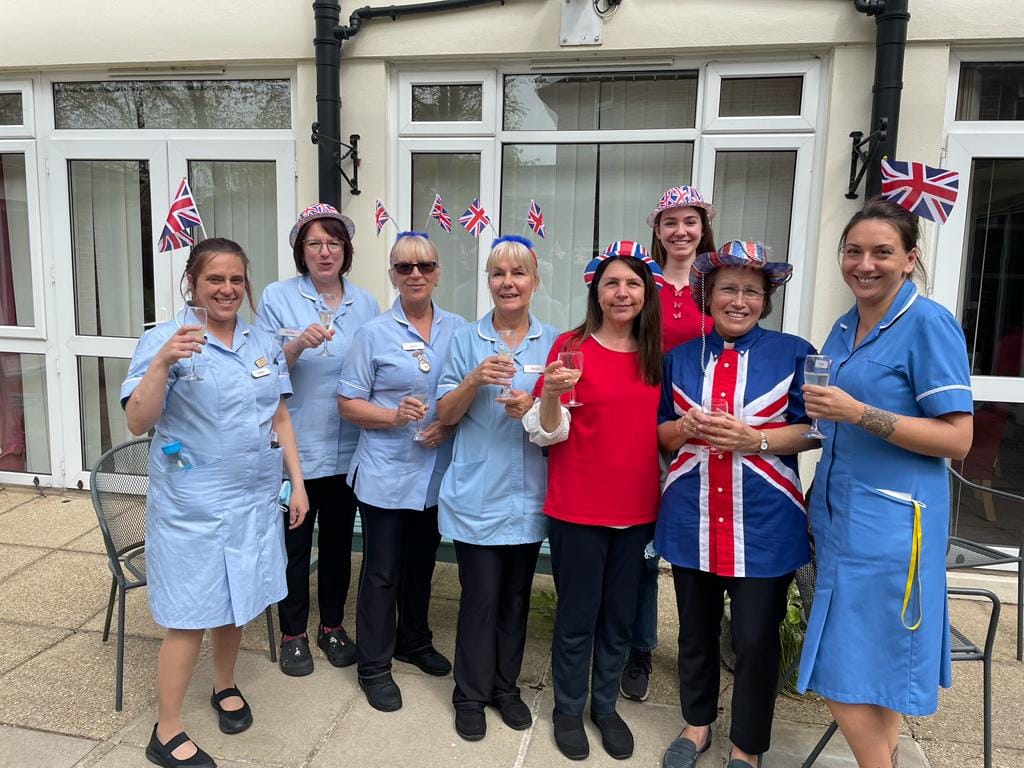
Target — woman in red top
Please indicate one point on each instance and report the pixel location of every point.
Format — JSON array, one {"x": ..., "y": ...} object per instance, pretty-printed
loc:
[{"x": 602, "y": 497}]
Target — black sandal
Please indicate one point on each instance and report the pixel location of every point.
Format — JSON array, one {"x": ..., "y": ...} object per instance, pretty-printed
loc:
[
  {"x": 231, "y": 720},
  {"x": 160, "y": 754}
]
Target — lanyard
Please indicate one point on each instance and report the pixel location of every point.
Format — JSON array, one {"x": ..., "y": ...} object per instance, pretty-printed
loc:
[{"x": 913, "y": 572}]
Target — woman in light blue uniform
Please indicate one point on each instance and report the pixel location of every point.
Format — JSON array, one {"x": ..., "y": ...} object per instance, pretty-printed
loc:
[
  {"x": 492, "y": 496},
  {"x": 396, "y": 470},
  {"x": 321, "y": 243},
  {"x": 215, "y": 553},
  {"x": 899, "y": 403}
]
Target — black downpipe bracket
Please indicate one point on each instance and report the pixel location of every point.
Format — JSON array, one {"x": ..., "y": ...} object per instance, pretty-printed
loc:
[{"x": 395, "y": 12}]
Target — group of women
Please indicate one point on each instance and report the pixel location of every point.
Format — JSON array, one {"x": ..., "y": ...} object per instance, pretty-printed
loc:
[{"x": 682, "y": 428}]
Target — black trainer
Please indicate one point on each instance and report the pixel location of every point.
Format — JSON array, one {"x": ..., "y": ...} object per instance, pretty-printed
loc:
[
  {"x": 471, "y": 724},
  {"x": 382, "y": 692},
  {"x": 337, "y": 646},
  {"x": 616, "y": 738},
  {"x": 295, "y": 659},
  {"x": 428, "y": 659},
  {"x": 570, "y": 737},
  {"x": 636, "y": 675}
]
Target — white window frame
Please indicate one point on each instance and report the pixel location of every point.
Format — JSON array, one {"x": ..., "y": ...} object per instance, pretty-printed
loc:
[
  {"x": 38, "y": 328},
  {"x": 27, "y": 128},
  {"x": 809, "y": 70},
  {"x": 486, "y": 126}
]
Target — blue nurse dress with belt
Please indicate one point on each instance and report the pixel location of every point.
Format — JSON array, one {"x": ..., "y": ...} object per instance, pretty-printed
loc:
[
  {"x": 214, "y": 534},
  {"x": 861, "y": 645}
]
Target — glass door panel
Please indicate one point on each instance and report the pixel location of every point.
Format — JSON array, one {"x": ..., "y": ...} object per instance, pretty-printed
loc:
[{"x": 16, "y": 303}]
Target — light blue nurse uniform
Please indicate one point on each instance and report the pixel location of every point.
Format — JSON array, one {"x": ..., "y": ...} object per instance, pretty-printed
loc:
[
  {"x": 493, "y": 491},
  {"x": 214, "y": 533},
  {"x": 389, "y": 469},
  {"x": 326, "y": 441},
  {"x": 859, "y": 647}
]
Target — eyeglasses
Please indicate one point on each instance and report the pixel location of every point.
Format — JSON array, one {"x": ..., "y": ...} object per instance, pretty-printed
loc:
[
  {"x": 317, "y": 245},
  {"x": 731, "y": 292},
  {"x": 405, "y": 268}
]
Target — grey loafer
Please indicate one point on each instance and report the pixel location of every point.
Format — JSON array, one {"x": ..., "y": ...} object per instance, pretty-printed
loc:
[{"x": 683, "y": 753}]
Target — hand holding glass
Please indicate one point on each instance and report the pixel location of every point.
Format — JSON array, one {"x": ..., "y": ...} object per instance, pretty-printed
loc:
[
  {"x": 711, "y": 406},
  {"x": 816, "y": 372},
  {"x": 506, "y": 338},
  {"x": 195, "y": 316},
  {"x": 326, "y": 316},
  {"x": 420, "y": 395},
  {"x": 573, "y": 361}
]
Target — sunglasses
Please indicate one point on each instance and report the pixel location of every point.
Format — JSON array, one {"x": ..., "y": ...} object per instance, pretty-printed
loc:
[{"x": 405, "y": 268}]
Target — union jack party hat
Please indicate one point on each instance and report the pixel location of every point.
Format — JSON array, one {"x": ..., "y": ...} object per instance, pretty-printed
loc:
[
  {"x": 625, "y": 249},
  {"x": 681, "y": 197},
  {"x": 738, "y": 253},
  {"x": 320, "y": 211}
]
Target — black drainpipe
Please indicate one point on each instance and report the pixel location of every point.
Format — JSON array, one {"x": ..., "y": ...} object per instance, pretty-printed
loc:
[{"x": 891, "y": 19}]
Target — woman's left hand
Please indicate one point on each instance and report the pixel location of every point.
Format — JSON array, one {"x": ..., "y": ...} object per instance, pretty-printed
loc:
[
  {"x": 298, "y": 506},
  {"x": 435, "y": 434},
  {"x": 517, "y": 405},
  {"x": 727, "y": 433},
  {"x": 831, "y": 404}
]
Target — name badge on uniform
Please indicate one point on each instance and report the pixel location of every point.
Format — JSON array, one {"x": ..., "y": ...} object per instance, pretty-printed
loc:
[
  {"x": 261, "y": 362},
  {"x": 259, "y": 373},
  {"x": 533, "y": 369},
  {"x": 412, "y": 346}
]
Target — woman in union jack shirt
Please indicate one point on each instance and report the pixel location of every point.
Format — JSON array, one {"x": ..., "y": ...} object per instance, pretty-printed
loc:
[{"x": 732, "y": 516}]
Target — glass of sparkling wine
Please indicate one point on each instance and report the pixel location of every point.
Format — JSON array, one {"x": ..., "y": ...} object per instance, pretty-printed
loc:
[
  {"x": 195, "y": 316},
  {"x": 419, "y": 393},
  {"x": 711, "y": 406},
  {"x": 816, "y": 372},
  {"x": 506, "y": 338},
  {"x": 574, "y": 362},
  {"x": 326, "y": 317}
]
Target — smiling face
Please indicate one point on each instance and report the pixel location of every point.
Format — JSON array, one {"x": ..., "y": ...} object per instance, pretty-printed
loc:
[
  {"x": 620, "y": 293},
  {"x": 680, "y": 231},
  {"x": 875, "y": 262},
  {"x": 323, "y": 263},
  {"x": 736, "y": 300},
  {"x": 511, "y": 284},
  {"x": 416, "y": 287},
  {"x": 219, "y": 286}
]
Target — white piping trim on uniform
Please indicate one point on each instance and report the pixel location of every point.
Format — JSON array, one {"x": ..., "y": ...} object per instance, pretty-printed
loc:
[{"x": 923, "y": 395}]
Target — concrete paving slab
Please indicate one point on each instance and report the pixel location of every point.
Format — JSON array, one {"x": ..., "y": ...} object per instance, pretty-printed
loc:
[
  {"x": 63, "y": 589},
  {"x": 953, "y": 754},
  {"x": 47, "y": 521},
  {"x": 13, "y": 558},
  {"x": 69, "y": 688},
  {"x": 123, "y": 756},
  {"x": 19, "y": 643},
  {"x": 92, "y": 541},
  {"x": 971, "y": 616},
  {"x": 35, "y": 749}
]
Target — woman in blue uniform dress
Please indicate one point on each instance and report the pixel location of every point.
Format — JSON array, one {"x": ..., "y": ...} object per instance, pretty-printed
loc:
[
  {"x": 899, "y": 403},
  {"x": 214, "y": 534},
  {"x": 321, "y": 243},
  {"x": 492, "y": 496}
]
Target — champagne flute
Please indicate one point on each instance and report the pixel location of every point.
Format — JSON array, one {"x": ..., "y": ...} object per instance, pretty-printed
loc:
[
  {"x": 711, "y": 406},
  {"x": 326, "y": 316},
  {"x": 506, "y": 338},
  {"x": 816, "y": 371},
  {"x": 195, "y": 316},
  {"x": 574, "y": 362},
  {"x": 419, "y": 393}
]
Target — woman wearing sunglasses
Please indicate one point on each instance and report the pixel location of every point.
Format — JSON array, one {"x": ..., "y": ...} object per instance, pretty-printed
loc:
[{"x": 387, "y": 388}]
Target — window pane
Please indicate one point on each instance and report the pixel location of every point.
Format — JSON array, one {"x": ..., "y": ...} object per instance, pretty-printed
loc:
[
  {"x": 451, "y": 103},
  {"x": 11, "y": 109},
  {"x": 993, "y": 300},
  {"x": 112, "y": 246},
  {"x": 991, "y": 92},
  {"x": 600, "y": 102},
  {"x": 457, "y": 177},
  {"x": 103, "y": 419},
  {"x": 24, "y": 430},
  {"x": 237, "y": 199},
  {"x": 754, "y": 195},
  {"x": 591, "y": 194},
  {"x": 753, "y": 96},
  {"x": 15, "y": 263},
  {"x": 131, "y": 104}
]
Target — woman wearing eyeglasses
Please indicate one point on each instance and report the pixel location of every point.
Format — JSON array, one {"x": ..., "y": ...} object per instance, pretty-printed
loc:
[
  {"x": 387, "y": 387},
  {"x": 321, "y": 242}
]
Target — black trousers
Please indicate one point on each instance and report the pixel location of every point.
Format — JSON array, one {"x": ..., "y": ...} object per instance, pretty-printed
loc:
[
  {"x": 332, "y": 501},
  {"x": 399, "y": 548},
  {"x": 491, "y": 633},
  {"x": 597, "y": 574},
  {"x": 758, "y": 606}
]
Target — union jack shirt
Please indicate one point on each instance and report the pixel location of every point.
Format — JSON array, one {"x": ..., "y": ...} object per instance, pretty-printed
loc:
[{"x": 735, "y": 514}]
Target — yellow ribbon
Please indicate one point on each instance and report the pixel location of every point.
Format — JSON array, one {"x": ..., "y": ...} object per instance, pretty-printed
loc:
[{"x": 914, "y": 568}]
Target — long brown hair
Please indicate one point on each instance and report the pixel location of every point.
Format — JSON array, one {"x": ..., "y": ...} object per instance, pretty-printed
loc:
[
  {"x": 201, "y": 253},
  {"x": 906, "y": 224},
  {"x": 646, "y": 326},
  {"x": 707, "y": 237}
]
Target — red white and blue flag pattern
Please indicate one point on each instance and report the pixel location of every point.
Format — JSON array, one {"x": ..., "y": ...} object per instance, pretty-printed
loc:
[
  {"x": 381, "y": 216},
  {"x": 183, "y": 216},
  {"x": 440, "y": 215},
  {"x": 475, "y": 219},
  {"x": 535, "y": 219},
  {"x": 923, "y": 190}
]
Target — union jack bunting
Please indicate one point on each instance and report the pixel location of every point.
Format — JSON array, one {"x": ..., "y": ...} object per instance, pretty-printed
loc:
[
  {"x": 921, "y": 189},
  {"x": 535, "y": 219},
  {"x": 184, "y": 215},
  {"x": 438, "y": 213},
  {"x": 381, "y": 216},
  {"x": 475, "y": 218}
]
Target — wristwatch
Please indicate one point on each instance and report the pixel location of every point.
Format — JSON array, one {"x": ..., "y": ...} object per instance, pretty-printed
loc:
[{"x": 764, "y": 442}]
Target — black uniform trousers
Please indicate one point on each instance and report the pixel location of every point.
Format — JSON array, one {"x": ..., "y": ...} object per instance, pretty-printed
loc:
[
  {"x": 332, "y": 501},
  {"x": 597, "y": 574},
  {"x": 491, "y": 633},
  {"x": 399, "y": 549},
  {"x": 757, "y": 606}
]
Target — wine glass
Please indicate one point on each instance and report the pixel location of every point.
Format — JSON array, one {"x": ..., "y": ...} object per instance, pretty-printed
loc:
[
  {"x": 506, "y": 338},
  {"x": 816, "y": 372},
  {"x": 326, "y": 316},
  {"x": 711, "y": 406},
  {"x": 195, "y": 316},
  {"x": 574, "y": 362},
  {"x": 419, "y": 393}
]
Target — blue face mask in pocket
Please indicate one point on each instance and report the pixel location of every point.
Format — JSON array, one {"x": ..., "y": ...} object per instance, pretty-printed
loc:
[{"x": 285, "y": 496}]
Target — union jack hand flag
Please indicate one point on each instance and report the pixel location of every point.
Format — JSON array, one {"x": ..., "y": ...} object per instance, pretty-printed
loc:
[
  {"x": 438, "y": 212},
  {"x": 535, "y": 219},
  {"x": 381, "y": 216},
  {"x": 475, "y": 218},
  {"x": 921, "y": 189},
  {"x": 183, "y": 216}
]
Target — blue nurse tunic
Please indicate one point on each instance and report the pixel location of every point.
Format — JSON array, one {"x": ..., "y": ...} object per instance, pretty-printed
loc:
[
  {"x": 214, "y": 534},
  {"x": 862, "y": 646}
]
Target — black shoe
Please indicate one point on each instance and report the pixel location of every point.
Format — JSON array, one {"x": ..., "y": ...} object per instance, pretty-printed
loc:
[
  {"x": 160, "y": 754},
  {"x": 636, "y": 675},
  {"x": 382, "y": 692},
  {"x": 337, "y": 646},
  {"x": 514, "y": 713},
  {"x": 570, "y": 737},
  {"x": 470, "y": 724},
  {"x": 616, "y": 738},
  {"x": 295, "y": 659},
  {"x": 231, "y": 720},
  {"x": 428, "y": 659}
]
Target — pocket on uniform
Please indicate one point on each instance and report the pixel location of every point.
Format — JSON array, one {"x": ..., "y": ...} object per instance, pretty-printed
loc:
[
  {"x": 881, "y": 523},
  {"x": 465, "y": 472}
]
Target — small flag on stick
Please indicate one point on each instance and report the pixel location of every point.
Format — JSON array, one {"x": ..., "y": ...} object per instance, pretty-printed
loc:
[
  {"x": 475, "y": 219},
  {"x": 381, "y": 216},
  {"x": 923, "y": 190},
  {"x": 438, "y": 213},
  {"x": 183, "y": 216},
  {"x": 535, "y": 219}
]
